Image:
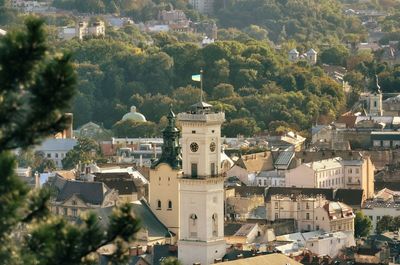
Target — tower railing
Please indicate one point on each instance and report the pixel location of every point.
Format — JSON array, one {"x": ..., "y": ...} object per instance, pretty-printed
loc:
[
  {"x": 188, "y": 176},
  {"x": 188, "y": 116}
]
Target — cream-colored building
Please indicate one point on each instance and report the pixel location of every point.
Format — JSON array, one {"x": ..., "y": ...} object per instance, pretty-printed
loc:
[
  {"x": 319, "y": 174},
  {"x": 301, "y": 208},
  {"x": 311, "y": 213},
  {"x": 73, "y": 197},
  {"x": 357, "y": 173},
  {"x": 201, "y": 187},
  {"x": 248, "y": 167},
  {"x": 239, "y": 206},
  {"x": 385, "y": 202},
  {"x": 164, "y": 178},
  {"x": 334, "y": 217}
]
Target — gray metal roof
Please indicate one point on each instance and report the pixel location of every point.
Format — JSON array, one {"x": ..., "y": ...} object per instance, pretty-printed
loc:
[
  {"x": 284, "y": 158},
  {"x": 149, "y": 220},
  {"x": 57, "y": 145},
  {"x": 89, "y": 192}
]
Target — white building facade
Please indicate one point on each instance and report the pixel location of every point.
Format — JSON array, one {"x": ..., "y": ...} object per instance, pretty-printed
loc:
[
  {"x": 201, "y": 187},
  {"x": 311, "y": 213},
  {"x": 319, "y": 174}
]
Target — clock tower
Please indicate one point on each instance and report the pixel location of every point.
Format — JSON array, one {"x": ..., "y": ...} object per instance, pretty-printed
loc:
[{"x": 201, "y": 192}]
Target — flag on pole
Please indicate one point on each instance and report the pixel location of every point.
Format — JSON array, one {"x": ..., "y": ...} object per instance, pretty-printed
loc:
[{"x": 196, "y": 78}]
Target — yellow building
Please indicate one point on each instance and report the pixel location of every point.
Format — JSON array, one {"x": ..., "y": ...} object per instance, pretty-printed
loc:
[{"x": 164, "y": 174}]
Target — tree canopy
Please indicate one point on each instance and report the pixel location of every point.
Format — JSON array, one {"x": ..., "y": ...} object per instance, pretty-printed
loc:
[
  {"x": 362, "y": 225},
  {"x": 36, "y": 88}
]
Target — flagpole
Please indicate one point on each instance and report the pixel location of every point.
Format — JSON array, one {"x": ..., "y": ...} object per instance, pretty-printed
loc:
[{"x": 201, "y": 85}]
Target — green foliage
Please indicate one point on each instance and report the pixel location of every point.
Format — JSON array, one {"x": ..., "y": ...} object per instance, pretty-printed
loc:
[
  {"x": 336, "y": 55},
  {"x": 132, "y": 129},
  {"x": 247, "y": 80},
  {"x": 85, "y": 151},
  {"x": 388, "y": 223},
  {"x": 37, "y": 86},
  {"x": 26, "y": 108},
  {"x": 171, "y": 261},
  {"x": 37, "y": 161},
  {"x": 244, "y": 126},
  {"x": 300, "y": 20},
  {"x": 362, "y": 225}
]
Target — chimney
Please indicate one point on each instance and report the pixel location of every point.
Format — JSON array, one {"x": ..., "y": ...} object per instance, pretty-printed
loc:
[
  {"x": 37, "y": 180},
  {"x": 68, "y": 132}
]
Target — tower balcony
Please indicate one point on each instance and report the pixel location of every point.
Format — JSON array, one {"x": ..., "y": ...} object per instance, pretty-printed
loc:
[{"x": 217, "y": 117}]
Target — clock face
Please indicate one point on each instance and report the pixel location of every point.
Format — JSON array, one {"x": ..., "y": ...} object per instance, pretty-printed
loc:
[
  {"x": 212, "y": 147},
  {"x": 194, "y": 147}
]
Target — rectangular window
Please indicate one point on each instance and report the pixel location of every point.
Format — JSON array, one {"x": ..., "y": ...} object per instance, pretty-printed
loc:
[
  {"x": 193, "y": 132},
  {"x": 56, "y": 154},
  {"x": 276, "y": 205},
  {"x": 307, "y": 216},
  {"x": 357, "y": 170},
  {"x": 65, "y": 211},
  {"x": 212, "y": 169},
  {"x": 48, "y": 155},
  {"x": 194, "y": 170},
  {"x": 276, "y": 216},
  {"x": 74, "y": 212},
  {"x": 386, "y": 143}
]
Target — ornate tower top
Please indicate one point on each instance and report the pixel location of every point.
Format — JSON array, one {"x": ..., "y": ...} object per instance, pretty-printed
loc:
[
  {"x": 377, "y": 87},
  {"x": 171, "y": 149}
]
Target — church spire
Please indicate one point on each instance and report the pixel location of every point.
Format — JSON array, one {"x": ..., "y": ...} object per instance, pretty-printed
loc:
[
  {"x": 376, "y": 87},
  {"x": 171, "y": 149}
]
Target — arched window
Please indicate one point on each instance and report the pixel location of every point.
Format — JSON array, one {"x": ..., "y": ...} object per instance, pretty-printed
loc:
[
  {"x": 158, "y": 204},
  {"x": 193, "y": 225},
  {"x": 169, "y": 204},
  {"x": 215, "y": 224}
]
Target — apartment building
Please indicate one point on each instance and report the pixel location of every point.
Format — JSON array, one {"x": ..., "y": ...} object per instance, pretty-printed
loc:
[
  {"x": 311, "y": 212},
  {"x": 355, "y": 173}
]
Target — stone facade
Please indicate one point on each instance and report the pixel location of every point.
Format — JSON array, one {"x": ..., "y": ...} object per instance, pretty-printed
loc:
[
  {"x": 201, "y": 187},
  {"x": 311, "y": 213}
]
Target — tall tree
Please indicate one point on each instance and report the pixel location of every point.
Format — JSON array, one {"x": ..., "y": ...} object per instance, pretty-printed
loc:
[
  {"x": 362, "y": 225},
  {"x": 384, "y": 224},
  {"x": 36, "y": 87}
]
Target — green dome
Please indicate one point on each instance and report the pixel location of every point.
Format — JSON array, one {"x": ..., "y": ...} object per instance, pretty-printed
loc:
[{"x": 134, "y": 116}]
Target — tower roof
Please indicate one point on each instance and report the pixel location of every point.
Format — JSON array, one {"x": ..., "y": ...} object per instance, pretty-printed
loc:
[
  {"x": 376, "y": 87},
  {"x": 293, "y": 51},
  {"x": 171, "y": 149}
]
